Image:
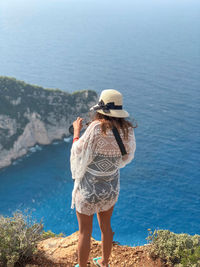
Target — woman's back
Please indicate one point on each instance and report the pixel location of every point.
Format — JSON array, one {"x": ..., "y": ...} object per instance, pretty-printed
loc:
[
  {"x": 107, "y": 158},
  {"x": 98, "y": 189}
]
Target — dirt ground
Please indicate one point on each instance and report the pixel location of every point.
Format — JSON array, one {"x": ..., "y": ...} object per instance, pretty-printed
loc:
[{"x": 121, "y": 256}]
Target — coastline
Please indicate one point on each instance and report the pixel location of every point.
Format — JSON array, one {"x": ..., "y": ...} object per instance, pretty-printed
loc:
[
  {"x": 31, "y": 115},
  {"x": 34, "y": 148}
]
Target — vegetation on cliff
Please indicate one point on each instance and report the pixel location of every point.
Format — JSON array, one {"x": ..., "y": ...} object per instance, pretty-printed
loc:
[
  {"x": 19, "y": 99},
  {"x": 181, "y": 250},
  {"x": 23, "y": 240},
  {"x": 18, "y": 237}
]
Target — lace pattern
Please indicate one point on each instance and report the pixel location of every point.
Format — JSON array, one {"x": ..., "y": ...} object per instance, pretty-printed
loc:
[
  {"x": 95, "y": 162},
  {"x": 84, "y": 207}
]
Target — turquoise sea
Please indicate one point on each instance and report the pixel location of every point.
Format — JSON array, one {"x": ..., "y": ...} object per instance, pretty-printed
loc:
[{"x": 150, "y": 51}]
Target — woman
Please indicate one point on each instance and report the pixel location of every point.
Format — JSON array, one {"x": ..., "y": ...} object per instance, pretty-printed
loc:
[{"x": 95, "y": 162}]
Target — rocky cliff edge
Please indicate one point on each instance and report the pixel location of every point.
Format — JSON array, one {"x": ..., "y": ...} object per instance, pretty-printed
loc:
[
  {"x": 62, "y": 251},
  {"x": 30, "y": 115}
]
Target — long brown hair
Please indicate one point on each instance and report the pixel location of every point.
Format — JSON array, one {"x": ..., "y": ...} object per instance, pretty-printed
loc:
[{"x": 107, "y": 123}]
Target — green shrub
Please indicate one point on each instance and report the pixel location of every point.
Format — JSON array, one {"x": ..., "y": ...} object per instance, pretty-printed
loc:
[
  {"x": 19, "y": 235},
  {"x": 181, "y": 250},
  {"x": 49, "y": 234},
  {"x": 191, "y": 256}
]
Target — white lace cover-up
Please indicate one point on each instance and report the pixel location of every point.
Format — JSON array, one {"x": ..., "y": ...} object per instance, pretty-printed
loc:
[{"x": 95, "y": 162}]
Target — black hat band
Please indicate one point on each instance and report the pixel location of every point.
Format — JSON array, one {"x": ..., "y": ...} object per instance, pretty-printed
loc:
[{"x": 106, "y": 107}]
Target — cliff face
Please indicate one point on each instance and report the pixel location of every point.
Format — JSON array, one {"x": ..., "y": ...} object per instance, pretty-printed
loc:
[{"x": 32, "y": 115}]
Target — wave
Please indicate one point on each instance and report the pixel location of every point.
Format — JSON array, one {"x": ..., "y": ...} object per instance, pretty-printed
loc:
[
  {"x": 55, "y": 143},
  {"x": 67, "y": 139},
  {"x": 35, "y": 148}
]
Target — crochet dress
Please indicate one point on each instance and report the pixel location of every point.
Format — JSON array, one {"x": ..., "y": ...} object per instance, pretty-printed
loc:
[{"x": 95, "y": 162}]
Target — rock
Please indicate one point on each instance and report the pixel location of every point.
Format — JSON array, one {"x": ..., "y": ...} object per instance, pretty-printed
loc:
[
  {"x": 31, "y": 115},
  {"x": 62, "y": 252},
  {"x": 59, "y": 249}
]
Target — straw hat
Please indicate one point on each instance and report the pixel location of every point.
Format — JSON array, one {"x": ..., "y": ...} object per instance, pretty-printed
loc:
[{"x": 110, "y": 104}]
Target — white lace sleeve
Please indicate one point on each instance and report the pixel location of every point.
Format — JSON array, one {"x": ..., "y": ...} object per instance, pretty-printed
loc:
[
  {"x": 82, "y": 152},
  {"x": 130, "y": 145}
]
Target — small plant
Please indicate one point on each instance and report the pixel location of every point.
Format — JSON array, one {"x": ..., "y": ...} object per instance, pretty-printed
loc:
[
  {"x": 49, "y": 234},
  {"x": 18, "y": 237},
  {"x": 181, "y": 250}
]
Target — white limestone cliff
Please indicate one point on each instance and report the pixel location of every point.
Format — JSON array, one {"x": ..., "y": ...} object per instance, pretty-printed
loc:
[{"x": 31, "y": 115}]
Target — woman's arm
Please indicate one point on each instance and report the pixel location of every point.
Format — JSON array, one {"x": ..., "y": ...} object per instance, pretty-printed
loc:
[
  {"x": 82, "y": 150},
  {"x": 77, "y": 124}
]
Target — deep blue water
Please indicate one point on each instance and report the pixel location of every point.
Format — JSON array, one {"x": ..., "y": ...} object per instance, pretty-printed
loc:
[{"x": 150, "y": 51}]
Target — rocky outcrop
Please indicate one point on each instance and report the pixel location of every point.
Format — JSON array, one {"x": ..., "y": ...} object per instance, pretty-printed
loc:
[
  {"x": 31, "y": 115},
  {"x": 62, "y": 251}
]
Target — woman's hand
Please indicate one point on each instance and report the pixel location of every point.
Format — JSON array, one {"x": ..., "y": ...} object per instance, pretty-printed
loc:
[{"x": 77, "y": 124}]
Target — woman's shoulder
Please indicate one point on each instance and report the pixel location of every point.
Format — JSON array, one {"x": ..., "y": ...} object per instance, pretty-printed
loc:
[
  {"x": 95, "y": 122},
  {"x": 94, "y": 126}
]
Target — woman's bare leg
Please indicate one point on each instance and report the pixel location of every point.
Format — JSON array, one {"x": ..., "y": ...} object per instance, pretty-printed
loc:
[
  {"x": 85, "y": 231},
  {"x": 104, "y": 219}
]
